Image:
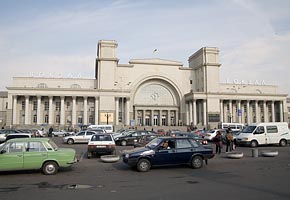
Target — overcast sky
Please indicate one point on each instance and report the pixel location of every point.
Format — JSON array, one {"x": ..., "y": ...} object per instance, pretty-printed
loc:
[{"x": 60, "y": 36}]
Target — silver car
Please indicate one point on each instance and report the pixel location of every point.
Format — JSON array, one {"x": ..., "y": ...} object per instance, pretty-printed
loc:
[{"x": 82, "y": 136}]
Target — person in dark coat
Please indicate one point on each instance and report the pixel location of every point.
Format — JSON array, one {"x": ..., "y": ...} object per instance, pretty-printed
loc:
[{"x": 218, "y": 142}]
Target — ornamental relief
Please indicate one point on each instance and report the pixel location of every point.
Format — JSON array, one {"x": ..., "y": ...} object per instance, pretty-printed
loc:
[{"x": 154, "y": 94}]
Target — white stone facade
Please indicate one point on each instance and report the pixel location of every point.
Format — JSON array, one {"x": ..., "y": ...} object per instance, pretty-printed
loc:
[{"x": 144, "y": 92}]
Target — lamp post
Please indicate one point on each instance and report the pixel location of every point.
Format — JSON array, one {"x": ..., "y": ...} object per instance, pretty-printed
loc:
[{"x": 108, "y": 116}]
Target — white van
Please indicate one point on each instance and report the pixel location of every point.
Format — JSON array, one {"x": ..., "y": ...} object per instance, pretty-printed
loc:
[
  {"x": 107, "y": 128},
  {"x": 232, "y": 126},
  {"x": 265, "y": 133}
]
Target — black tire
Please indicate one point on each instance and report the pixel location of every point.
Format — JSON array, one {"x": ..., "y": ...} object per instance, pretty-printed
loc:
[
  {"x": 50, "y": 168},
  {"x": 143, "y": 165},
  {"x": 70, "y": 141},
  {"x": 196, "y": 162},
  {"x": 283, "y": 143},
  {"x": 254, "y": 144},
  {"x": 124, "y": 143}
]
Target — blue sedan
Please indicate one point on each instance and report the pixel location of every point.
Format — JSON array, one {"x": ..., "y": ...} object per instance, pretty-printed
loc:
[{"x": 164, "y": 151}]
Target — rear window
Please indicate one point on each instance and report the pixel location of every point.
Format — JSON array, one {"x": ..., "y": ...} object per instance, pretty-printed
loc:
[{"x": 101, "y": 138}]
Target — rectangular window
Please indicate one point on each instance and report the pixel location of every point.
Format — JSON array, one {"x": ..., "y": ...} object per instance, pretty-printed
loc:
[
  {"x": 46, "y": 119},
  {"x": 57, "y": 119},
  {"x": 23, "y": 105},
  {"x": 272, "y": 129},
  {"x": 34, "y": 105},
  {"x": 57, "y": 105},
  {"x": 34, "y": 118},
  {"x": 46, "y": 105}
]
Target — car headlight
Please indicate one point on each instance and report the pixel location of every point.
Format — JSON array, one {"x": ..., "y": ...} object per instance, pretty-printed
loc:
[{"x": 127, "y": 156}]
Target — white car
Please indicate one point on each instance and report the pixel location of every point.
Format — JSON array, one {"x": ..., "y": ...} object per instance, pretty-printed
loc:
[
  {"x": 212, "y": 133},
  {"x": 101, "y": 144},
  {"x": 81, "y": 137}
]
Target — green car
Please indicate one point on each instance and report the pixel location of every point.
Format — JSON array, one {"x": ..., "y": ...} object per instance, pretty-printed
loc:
[{"x": 35, "y": 153}]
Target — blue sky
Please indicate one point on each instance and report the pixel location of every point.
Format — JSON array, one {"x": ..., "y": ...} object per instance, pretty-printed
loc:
[{"x": 60, "y": 36}]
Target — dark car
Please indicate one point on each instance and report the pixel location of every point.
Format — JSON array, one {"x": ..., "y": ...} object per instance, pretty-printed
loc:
[
  {"x": 145, "y": 139},
  {"x": 178, "y": 151},
  {"x": 131, "y": 138}
]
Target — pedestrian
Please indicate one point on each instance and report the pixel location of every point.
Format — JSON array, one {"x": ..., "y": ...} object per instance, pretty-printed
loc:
[
  {"x": 229, "y": 141},
  {"x": 218, "y": 142},
  {"x": 50, "y": 130}
]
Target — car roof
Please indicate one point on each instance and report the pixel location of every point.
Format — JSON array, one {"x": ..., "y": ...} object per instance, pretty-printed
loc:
[{"x": 29, "y": 139}]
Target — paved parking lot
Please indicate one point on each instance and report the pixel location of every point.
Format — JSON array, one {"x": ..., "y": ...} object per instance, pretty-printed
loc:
[{"x": 246, "y": 178}]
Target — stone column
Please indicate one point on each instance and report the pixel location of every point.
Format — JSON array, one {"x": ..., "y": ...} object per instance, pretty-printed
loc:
[
  {"x": 257, "y": 112},
  {"x": 50, "y": 111},
  {"x": 152, "y": 117},
  {"x": 194, "y": 113},
  {"x": 62, "y": 111},
  {"x": 85, "y": 122},
  {"x": 190, "y": 112},
  {"x": 127, "y": 122},
  {"x": 231, "y": 111},
  {"x": 96, "y": 110},
  {"x": 74, "y": 111},
  {"x": 160, "y": 117},
  {"x": 221, "y": 110},
  {"x": 266, "y": 118},
  {"x": 15, "y": 121},
  {"x": 143, "y": 118},
  {"x": 176, "y": 118},
  {"x": 281, "y": 112},
  {"x": 117, "y": 111},
  {"x": 273, "y": 112},
  {"x": 39, "y": 118},
  {"x": 204, "y": 113},
  {"x": 248, "y": 112},
  {"x": 26, "y": 120},
  {"x": 240, "y": 112}
]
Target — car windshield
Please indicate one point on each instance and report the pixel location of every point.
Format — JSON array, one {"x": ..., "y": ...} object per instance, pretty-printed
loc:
[
  {"x": 249, "y": 129},
  {"x": 155, "y": 142}
]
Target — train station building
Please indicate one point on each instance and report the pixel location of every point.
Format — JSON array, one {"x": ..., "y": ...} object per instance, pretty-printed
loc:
[{"x": 143, "y": 92}]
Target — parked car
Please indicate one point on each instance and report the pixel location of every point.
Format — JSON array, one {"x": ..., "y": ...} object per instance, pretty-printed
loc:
[
  {"x": 130, "y": 138},
  {"x": 145, "y": 139},
  {"x": 34, "y": 154},
  {"x": 17, "y": 135},
  {"x": 101, "y": 144},
  {"x": 62, "y": 133},
  {"x": 212, "y": 133},
  {"x": 178, "y": 151},
  {"x": 81, "y": 137}
]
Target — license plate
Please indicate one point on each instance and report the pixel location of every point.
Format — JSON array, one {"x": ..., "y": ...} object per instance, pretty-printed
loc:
[{"x": 101, "y": 146}]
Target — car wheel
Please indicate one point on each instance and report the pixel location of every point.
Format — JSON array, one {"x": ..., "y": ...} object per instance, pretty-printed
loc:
[
  {"x": 124, "y": 143},
  {"x": 283, "y": 143},
  {"x": 70, "y": 141},
  {"x": 143, "y": 165},
  {"x": 50, "y": 168},
  {"x": 196, "y": 162},
  {"x": 254, "y": 143}
]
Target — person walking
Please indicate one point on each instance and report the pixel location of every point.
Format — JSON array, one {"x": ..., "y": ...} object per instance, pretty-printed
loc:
[
  {"x": 50, "y": 130},
  {"x": 218, "y": 142},
  {"x": 229, "y": 141}
]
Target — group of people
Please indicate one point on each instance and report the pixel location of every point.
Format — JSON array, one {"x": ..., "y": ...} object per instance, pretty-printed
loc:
[{"x": 218, "y": 140}]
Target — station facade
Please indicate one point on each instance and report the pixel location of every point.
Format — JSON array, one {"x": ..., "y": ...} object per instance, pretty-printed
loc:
[{"x": 144, "y": 92}]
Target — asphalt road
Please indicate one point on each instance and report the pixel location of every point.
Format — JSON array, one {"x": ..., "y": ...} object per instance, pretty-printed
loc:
[{"x": 247, "y": 178}]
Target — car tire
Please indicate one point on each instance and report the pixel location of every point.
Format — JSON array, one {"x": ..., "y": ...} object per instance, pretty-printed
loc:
[
  {"x": 50, "y": 168},
  {"x": 196, "y": 162},
  {"x": 124, "y": 143},
  {"x": 70, "y": 141},
  {"x": 283, "y": 143},
  {"x": 143, "y": 165},
  {"x": 254, "y": 143}
]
